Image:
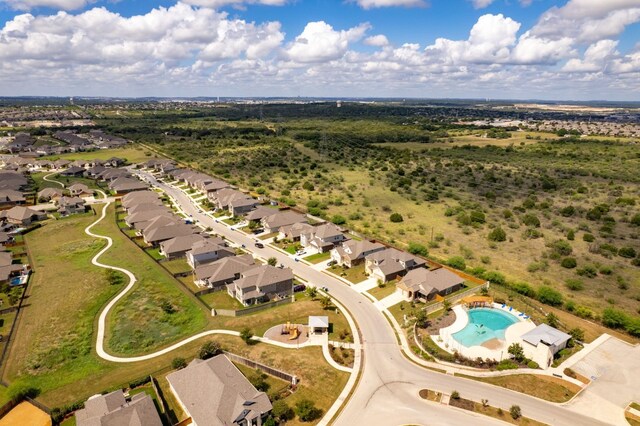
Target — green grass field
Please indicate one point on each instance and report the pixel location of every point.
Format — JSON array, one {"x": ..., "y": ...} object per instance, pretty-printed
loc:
[
  {"x": 382, "y": 292},
  {"x": 318, "y": 257},
  {"x": 133, "y": 154},
  {"x": 157, "y": 311}
]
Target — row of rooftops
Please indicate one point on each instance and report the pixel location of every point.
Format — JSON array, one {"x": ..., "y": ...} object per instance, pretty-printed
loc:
[{"x": 25, "y": 143}]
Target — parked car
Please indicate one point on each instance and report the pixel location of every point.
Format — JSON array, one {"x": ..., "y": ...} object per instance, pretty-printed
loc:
[
  {"x": 299, "y": 287},
  {"x": 325, "y": 289},
  {"x": 259, "y": 245},
  {"x": 258, "y": 231},
  {"x": 301, "y": 252},
  {"x": 331, "y": 263}
]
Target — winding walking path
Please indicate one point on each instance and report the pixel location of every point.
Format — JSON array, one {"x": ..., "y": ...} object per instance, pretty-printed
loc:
[
  {"x": 58, "y": 182},
  {"x": 132, "y": 281}
]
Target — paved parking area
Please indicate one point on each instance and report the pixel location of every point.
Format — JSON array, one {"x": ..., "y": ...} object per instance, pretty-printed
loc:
[{"x": 614, "y": 368}]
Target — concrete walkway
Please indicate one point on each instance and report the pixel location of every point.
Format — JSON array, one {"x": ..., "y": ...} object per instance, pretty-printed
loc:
[
  {"x": 365, "y": 285},
  {"x": 46, "y": 177},
  {"x": 389, "y": 301}
]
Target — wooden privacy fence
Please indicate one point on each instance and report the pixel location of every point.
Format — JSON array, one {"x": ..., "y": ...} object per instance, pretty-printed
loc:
[
  {"x": 264, "y": 368},
  {"x": 250, "y": 309}
]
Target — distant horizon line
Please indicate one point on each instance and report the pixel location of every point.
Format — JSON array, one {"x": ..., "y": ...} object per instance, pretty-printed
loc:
[{"x": 322, "y": 98}]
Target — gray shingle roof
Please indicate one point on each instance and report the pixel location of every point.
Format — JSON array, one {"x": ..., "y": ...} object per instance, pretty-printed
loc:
[
  {"x": 113, "y": 410},
  {"x": 545, "y": 334}
]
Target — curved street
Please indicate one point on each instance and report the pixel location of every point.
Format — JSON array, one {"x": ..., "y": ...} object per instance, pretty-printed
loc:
[{"x": 387, "y": 393}]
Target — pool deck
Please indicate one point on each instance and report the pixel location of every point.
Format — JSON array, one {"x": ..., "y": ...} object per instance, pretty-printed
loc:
[{"x": 493, "y": 348}]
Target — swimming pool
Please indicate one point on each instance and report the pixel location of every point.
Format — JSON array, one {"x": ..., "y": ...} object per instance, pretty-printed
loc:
[{"x": 484, "y": 325}]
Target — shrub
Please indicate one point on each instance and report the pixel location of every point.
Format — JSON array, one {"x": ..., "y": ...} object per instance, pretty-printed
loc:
[
  {"x": 455, "y": 395},
  {"x": 506, "y": 364},
  {"x": 628, "y": 252},
  {"x": 577, "y": 334},
  {"x": 308, "y": 186},
  {"x": 588, "y": 238},
  {"x": 272, "y": 261},
  {"x": 178, "y": 363},
  {"x": 516, "y": 350},
  {"x": 568, "y": 211},
  {"x": 246, "y": 334},
  {"x": 495, "y": 277},
  {"x": 569, "y": 263},
  {"x": 307, "y": 411},
  {"x": 208, "y": 350},
  {"x": 477, "y": 217},
  {"x": 259, "y": 382},
  {"x": 588, "y": 271},
  {"x": 574, "y": 284},
  {"x": 515, "y": 412},
  {"x": 531, "y": 220},
  {"x": 533, "y": 364},
  {"x": 523, "y": 288},
  {"x": 418, "y": 249},
  {"x": 571, "y": 235},
  {"x": 396, "y": 218},
  {"x": 635, "y": 220},
  {"x": 497, "y": 234},
  {"x": 614, "y": 318},
  {"x": 562, "y": 247},
  {"x": 549, "y": 296},
  {"x": 457, "y": 262},
  {"x": 338, "y": 220},
  {"x": 22, "y": 391}
]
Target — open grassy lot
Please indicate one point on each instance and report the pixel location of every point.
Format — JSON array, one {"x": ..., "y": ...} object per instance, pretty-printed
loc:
[
  {"x": 53, "y": 340},
  {"x": 157, "y": 311},
  {"x": 38, "y": 179},
  {"x": 133, "y": 154},
  {"x": 544, "y": 387}
]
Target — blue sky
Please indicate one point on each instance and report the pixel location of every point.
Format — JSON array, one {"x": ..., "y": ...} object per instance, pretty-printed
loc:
[{"x": 545, "y": 49}]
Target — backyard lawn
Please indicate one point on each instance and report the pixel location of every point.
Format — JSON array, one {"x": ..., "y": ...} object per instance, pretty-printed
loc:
[
  {"x": 177, "y": 266},
  {"x": 221, "y": 300}
]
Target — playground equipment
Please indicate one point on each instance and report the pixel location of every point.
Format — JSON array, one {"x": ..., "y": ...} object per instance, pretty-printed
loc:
[{"x": 291, "y": 329}]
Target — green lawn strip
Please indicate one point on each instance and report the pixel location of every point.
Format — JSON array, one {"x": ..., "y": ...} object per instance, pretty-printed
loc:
[
  {"x": 635, "y": 406},
  {"x": 543, "y": 387},
  {"x": 156, "y": 311},
  {"x": 318, "y": 257},
  {"x": 53, "y": 341},
  {"x": 69, "y": 421},
  {"x": 133, "y": 154},
  {"x": 267, "y": 236},
  {"x": 382, "y": 292},
  {"x": 318, "y": 381}
]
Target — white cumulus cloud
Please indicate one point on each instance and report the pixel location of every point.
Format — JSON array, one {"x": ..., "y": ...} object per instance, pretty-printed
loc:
[
  {"x": 371, "y": 4},
  {"x": 481, "y": 4},
  {"x": 239, "y": 3},
  {"x": 595, "y": 57},
  {"x": 319, "y": 42},
  {"x": 379, "y": 40},
  {"x": 54, "y": 4}
]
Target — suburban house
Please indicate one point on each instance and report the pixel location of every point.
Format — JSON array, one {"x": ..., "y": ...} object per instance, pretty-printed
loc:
[
  {"x": 223, "y": 271},
  {"x": 140, "y": 197},
  {"x": 94, "y": 172},
  {"x": 240, "y": 206},
  {"x": 70, "y": 205},
  {"x": 179, "y": 246},
  {"x": 262, "y": 283},
  {"x": 542, "y": 343},
  {"x": 8, "y": 269},
  {"x": 293, "y": 232},
  {"x": 123, "y": 185},
  {"x": 154, "y": 235},
  {"x": 391, "y": 263},
  {"x": 142, "y": 207},
  {"x": 426, "y": 284},
  {"x": 59, "y": 164},
  {"x": 224, "y": 198},
  {"x": 322, "y": 237},
  {"x": 275, "y": 221},
  {"x": 258, "y": 213},
  {"x": 20, "y": 215},
  {"x": 109, "y": 175},
  {"x": 73, "y": 171},
  {"x": 207, "y": 251},
  {"x": 135, "y": 220},
  {"x": 352, "y": 252},
  {"x": 49, "y": 194},
  {"x": 11, "y": 197},
  {"x": 214, "y": 392},
  {"x": 80, "y": 190},
  {"x": 212, "y": 186},
  {"x": 113, "y": 409}
]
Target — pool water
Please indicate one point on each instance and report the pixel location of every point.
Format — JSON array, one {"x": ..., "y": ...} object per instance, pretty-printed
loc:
[{"x": 484, "y": 324}]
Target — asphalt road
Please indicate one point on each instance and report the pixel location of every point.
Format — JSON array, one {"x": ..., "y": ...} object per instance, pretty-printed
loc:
[{"x": 387, "y": 393}]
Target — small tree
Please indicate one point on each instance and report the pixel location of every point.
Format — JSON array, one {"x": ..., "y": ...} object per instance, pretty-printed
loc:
[
  {"x": 552, "y": 320},
  {"x": 208, "y": 350},
  {"x": 421, "y": 318},
  {"x": 485, "y": 402},
  {"x": 246, "y": 334},
  {"x": 446, "y": 305},
  {"x": 326, "y": 302},
  {"x": 516, "y": 350},
  {"x": 272, "y": 261},
  {"x": 577, "y": 334},
  {"x": 312, "y": 292},
  {"x": 281, "y": 411},
  {"x": 515, "y": 412},
  {"x": 178, "y": 363},
  {"x": 259, "y": 381},
  {"x": 455, "y": 395},
  {"x": 307, "y": 411}
]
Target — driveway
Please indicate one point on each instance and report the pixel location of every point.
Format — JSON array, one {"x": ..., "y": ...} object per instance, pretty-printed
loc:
[{"x": 614, "y": 368}]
